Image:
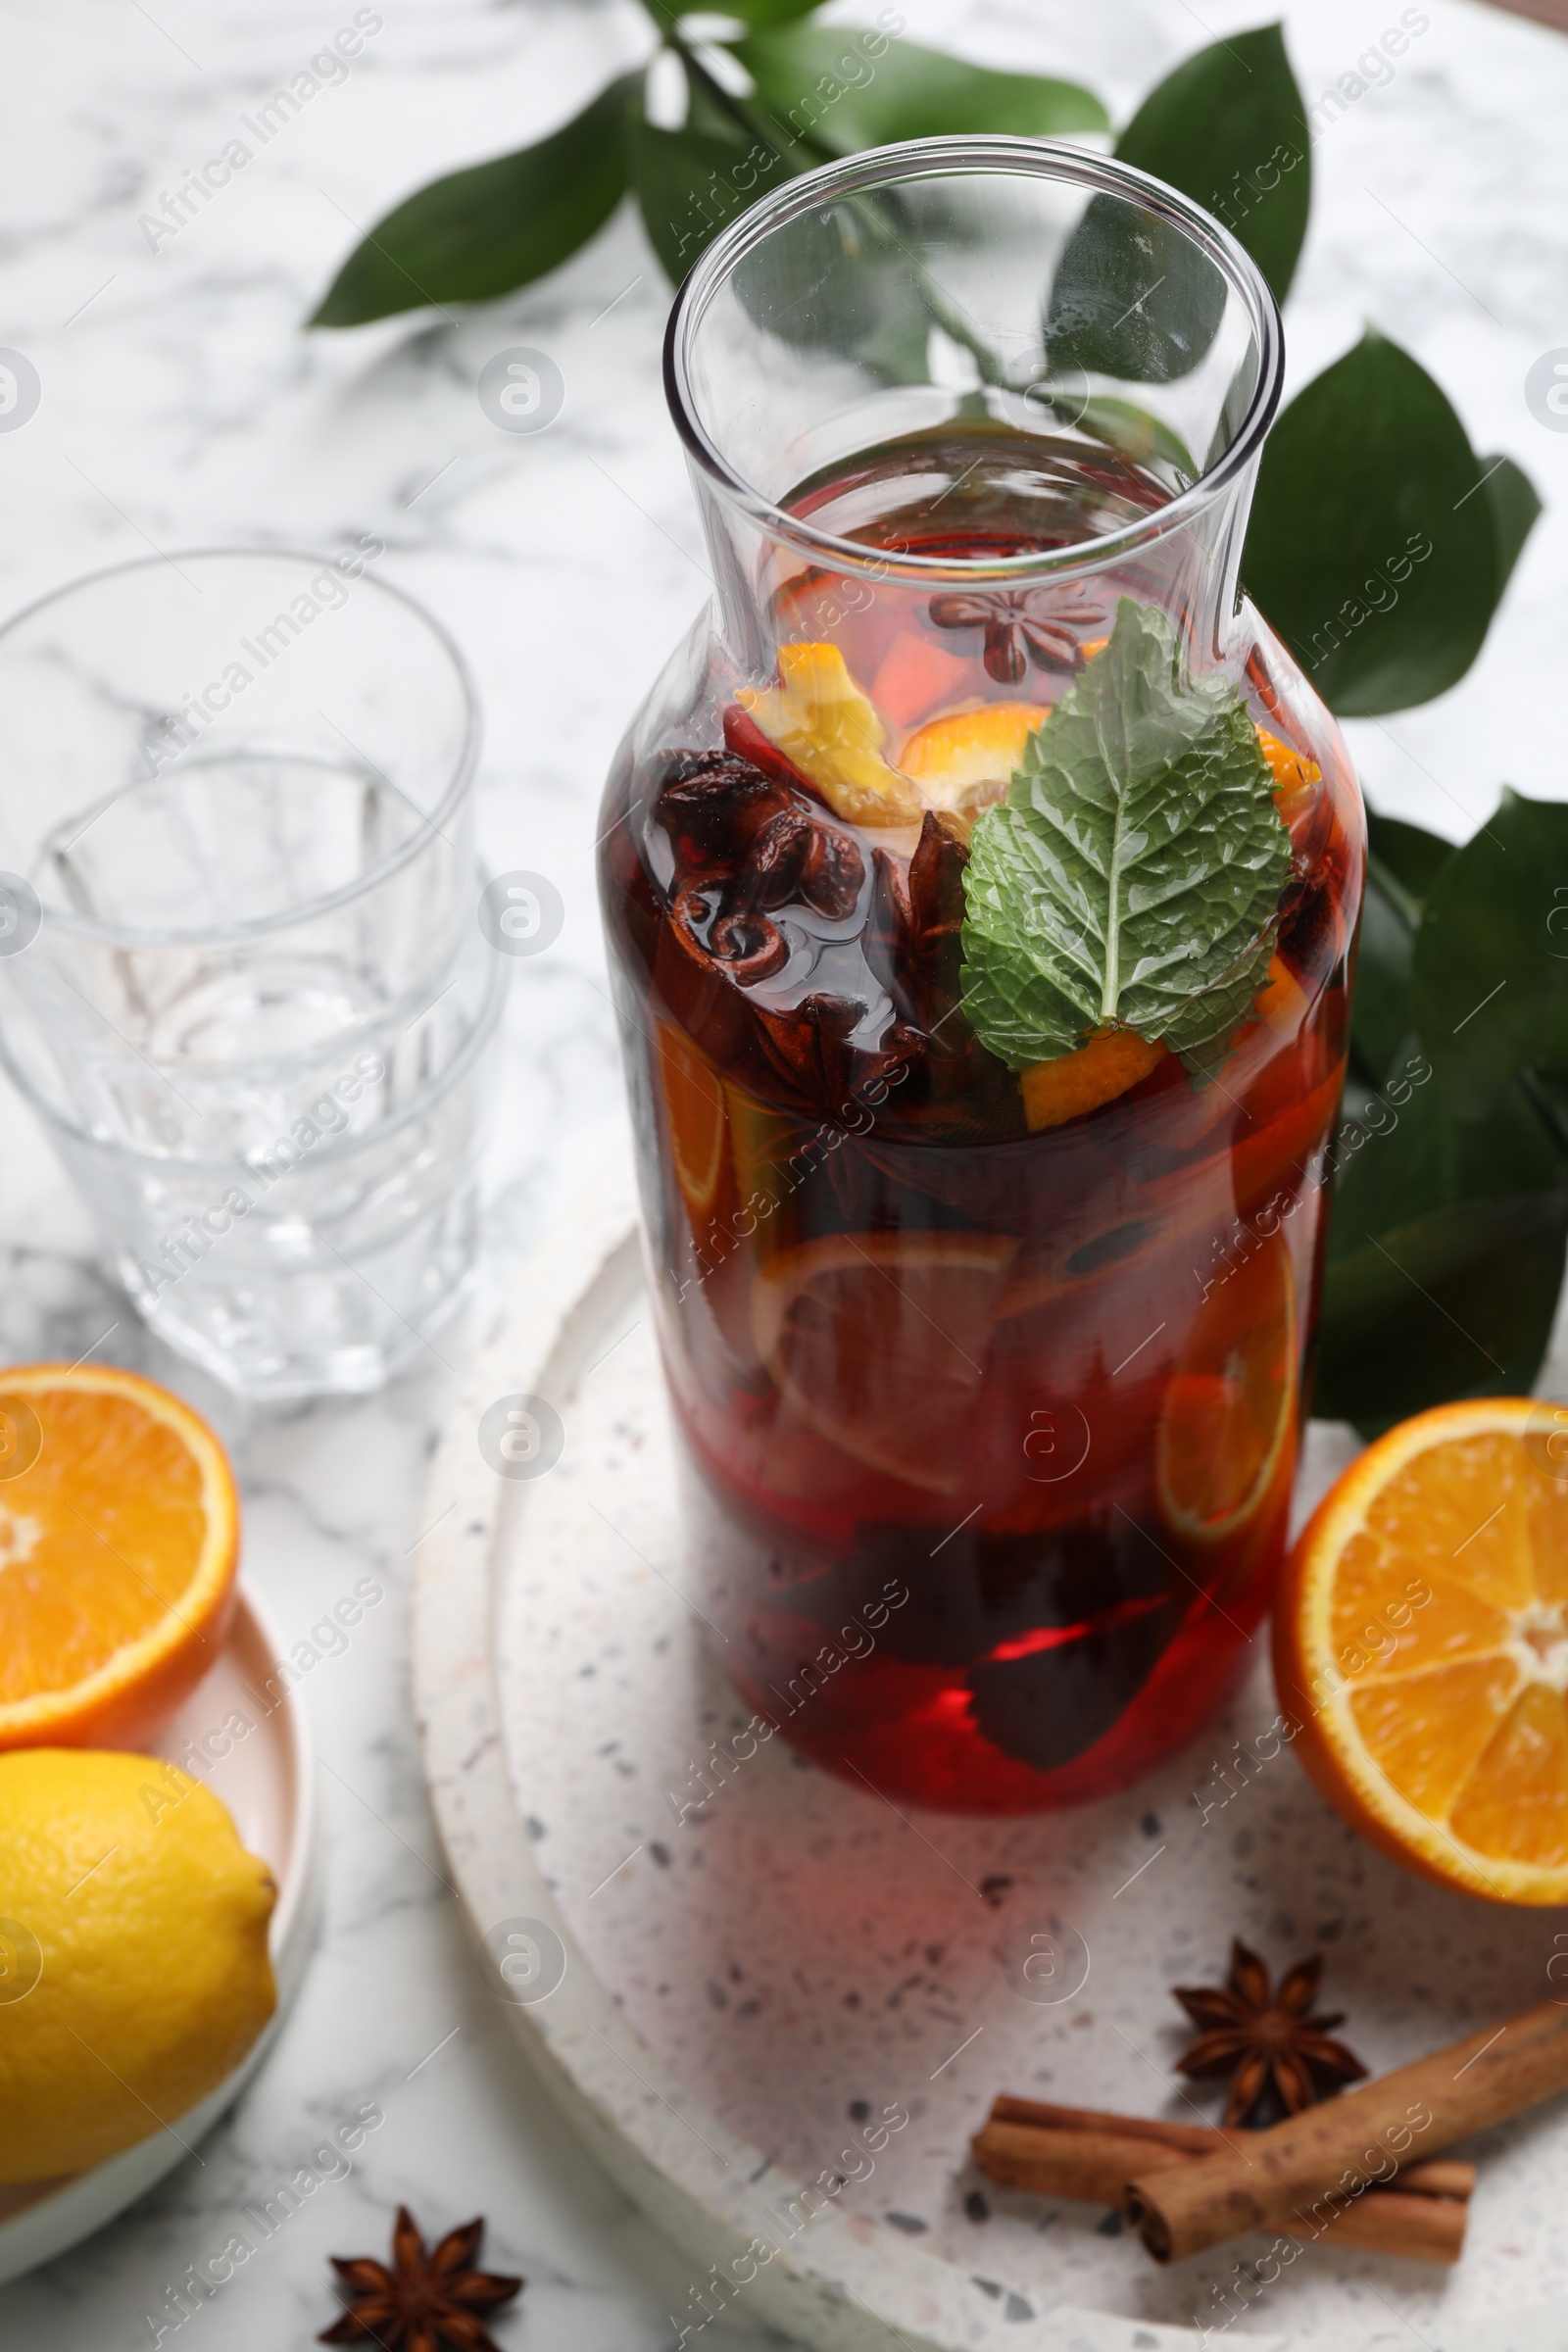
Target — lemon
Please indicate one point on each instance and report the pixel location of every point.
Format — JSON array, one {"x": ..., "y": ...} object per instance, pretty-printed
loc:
[{"x": 133, "y": 1965}]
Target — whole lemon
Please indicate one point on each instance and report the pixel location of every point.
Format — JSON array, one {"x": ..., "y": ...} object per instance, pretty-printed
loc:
[{"x": 133, "y": 1965}]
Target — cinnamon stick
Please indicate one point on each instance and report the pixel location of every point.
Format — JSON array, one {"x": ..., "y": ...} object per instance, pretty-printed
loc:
[
  {"x": 1319, "y": 2162},
  {"x": 1433, "y": 2176},
  {"x": 1089, "y": 2153},
  {"x": 1391, "y": 2222},
  {"x": 1096, "y": 2166},
  {"x": 1192, "y": 2139}
]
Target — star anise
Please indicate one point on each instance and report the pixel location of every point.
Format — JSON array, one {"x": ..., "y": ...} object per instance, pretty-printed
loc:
[
  {"x": 428, "y": 2301},
  {"x": 1261, "y": 2039},
  {"x": 714, "y": 805},
  {"x": 1021, "y": 625}
]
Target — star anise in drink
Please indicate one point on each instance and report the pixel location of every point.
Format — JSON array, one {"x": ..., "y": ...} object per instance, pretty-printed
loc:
[
  {"x": 714, "y": 805},
  {"x": 798, "y": 857},
  {"x": 1021, "y": 625},
  {"x": 1266, "y": 2041},
  {"x": 429, "y": 2300}
]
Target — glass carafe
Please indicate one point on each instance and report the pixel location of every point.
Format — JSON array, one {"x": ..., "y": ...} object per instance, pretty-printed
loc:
[{"x": 981, "y": 881}]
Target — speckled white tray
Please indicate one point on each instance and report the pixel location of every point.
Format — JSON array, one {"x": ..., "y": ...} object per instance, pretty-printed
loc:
[{"x": 747, "y": 1991}]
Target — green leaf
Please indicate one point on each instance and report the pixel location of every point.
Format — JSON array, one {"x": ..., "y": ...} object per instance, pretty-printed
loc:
[
  {"x": 769, "y": 12},
  {"x": 1121, "y": 424},
  {"x": 1547, "y": 1092},
  {"x": 1134, "y": 870},
  {"x": 1402, "y": 864},
  {"x": 1492, "y": 957},
  {"x": 1409, "y": 858},
  {"x": 691, "y": 183},
  {"x": 1382, "y": 1008},
  {"x": 1450, "y": 1214},
  {"x": 1511, "y": 496},
  {"x": 845, "y": 287},
  {"x": 478, "y": 233},
  {"x": 1228, "y": 128},
  {"x": 848, "y": 88},
  {"x": 1372, "y": 548},
  {"x": 1412, "y": 1151},
  {"x": 1446, "y": 1253},
  {"x": 1131, "y": 298},
  {"x": 1458, "y": 1304}
]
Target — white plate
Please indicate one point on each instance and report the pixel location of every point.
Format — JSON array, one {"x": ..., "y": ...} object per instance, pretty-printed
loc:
[
  {"x": 268, "y": 1782},
  {"x": 738, "y": 1986}
]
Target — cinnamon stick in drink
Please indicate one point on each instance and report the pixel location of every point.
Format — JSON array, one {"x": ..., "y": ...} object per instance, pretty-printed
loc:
[{"x": 1319, "y": 2163}]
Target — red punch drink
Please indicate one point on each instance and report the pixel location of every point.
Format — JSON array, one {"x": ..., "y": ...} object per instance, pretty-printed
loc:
[{"x": 981, "y": 888}]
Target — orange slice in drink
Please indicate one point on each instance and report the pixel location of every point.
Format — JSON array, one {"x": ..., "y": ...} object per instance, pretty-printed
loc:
[
  {"x": 1106, "y": 1066},
  {"x": 694, "y": 1117},
  {"x": 1296, "y": 776},
  {"x": 1228, "y": 1409},
  {"x": 965, "y": 759},
  {"x": 1421, "y": 1635},
  {"x": 118, "y": 1544},
  {"x": 878, "y": 1342},
  {"x": 1281, "y": 1002},
  {"x": 915, "y": 677},
  {"x": 828, "y": 726}
]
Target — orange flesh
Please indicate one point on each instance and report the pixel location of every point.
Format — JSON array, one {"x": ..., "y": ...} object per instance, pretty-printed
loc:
[
  {"x": 878, "y": 1342},
  {"x": 118, "y": 1548},
  {"x": 1430, "y": 1626},
  {"x": 94, "y": 1554},
  {"x": 694, "y": 1109},
  {"x": 1230, "y": 1406}
]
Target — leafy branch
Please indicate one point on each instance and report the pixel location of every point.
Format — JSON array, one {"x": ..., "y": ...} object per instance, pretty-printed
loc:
[
  {"x": 1380, "y": 543},
  {"x": 1379, "y": 547}
]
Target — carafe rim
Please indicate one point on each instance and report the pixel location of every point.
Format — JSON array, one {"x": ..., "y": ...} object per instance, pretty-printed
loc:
[{"x": 926, "y": 159}]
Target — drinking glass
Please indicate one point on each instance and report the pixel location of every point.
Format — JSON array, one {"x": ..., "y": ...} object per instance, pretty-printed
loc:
[
  {"x": 241, "y": 976},
  {"x": 981, "y": 882}
]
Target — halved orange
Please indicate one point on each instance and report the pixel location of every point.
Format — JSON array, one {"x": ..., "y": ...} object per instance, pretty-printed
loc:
[
  {"x": 1421, "y": 1635},
  {"x": 965, "y": 758},
  {"x": 878, "y": 1342},
  {"x": 1229, "y": 1407},
  {"x": 694, "y": 1117},
  {"x": 118, "y": 1546}
]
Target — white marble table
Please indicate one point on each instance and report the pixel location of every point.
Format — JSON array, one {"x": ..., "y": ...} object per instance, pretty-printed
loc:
[{"x": 182, "y": 406}]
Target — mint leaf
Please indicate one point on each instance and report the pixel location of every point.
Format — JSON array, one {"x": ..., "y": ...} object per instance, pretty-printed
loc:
[{"x": 1132, "y": 873}]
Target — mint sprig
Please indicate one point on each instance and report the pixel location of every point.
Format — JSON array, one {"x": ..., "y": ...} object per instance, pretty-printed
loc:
[{"x": 1132, "y": 873}]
